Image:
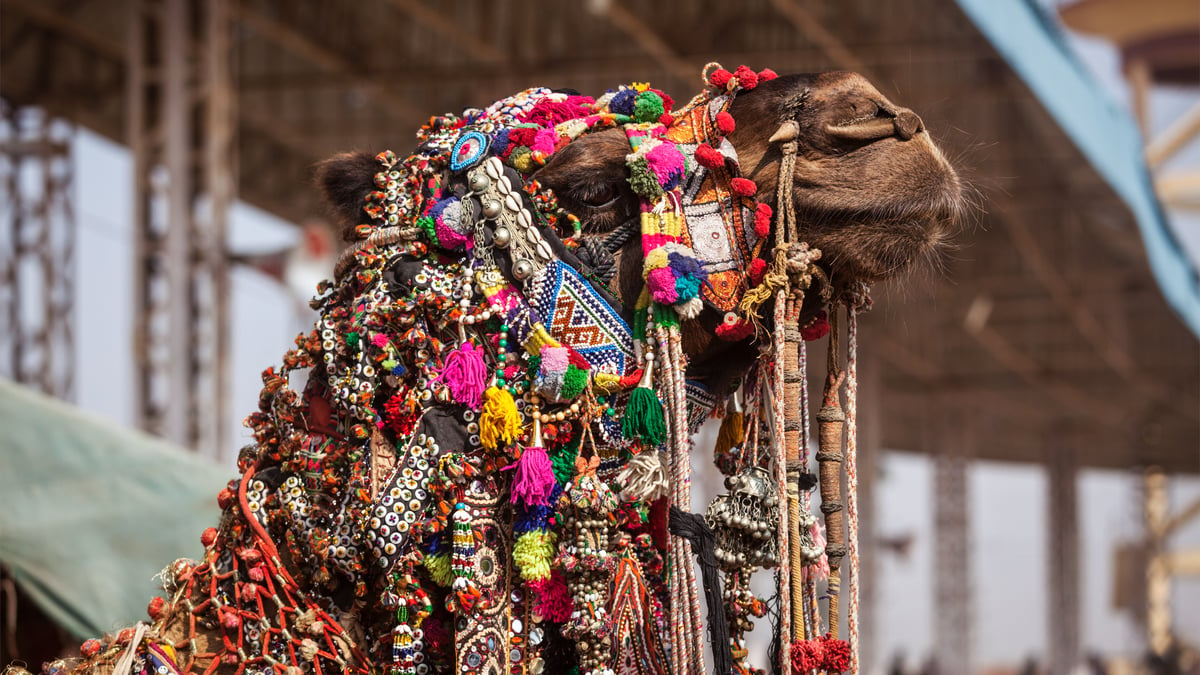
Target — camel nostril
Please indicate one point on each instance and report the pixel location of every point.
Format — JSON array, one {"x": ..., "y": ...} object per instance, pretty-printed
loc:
[{"x": 908, "y": 124}]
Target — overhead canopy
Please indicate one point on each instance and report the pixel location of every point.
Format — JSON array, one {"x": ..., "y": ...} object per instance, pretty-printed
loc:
[
  {"x": 1047, "y": 329},
  {"x": 91, "y": 512},
  {"x": 1035, "y": 48}
]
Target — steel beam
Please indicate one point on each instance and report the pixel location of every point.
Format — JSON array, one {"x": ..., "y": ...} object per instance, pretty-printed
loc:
[
  {"x": 37, "y": 255},
  {"x": 179, "y": 126},
  {"x": 953, "y": 606},
  {"x": 1062, "y": 597}
]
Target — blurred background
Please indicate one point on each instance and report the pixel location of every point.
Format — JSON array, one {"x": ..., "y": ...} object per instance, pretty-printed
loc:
[{"x": 1030, "y": 416}]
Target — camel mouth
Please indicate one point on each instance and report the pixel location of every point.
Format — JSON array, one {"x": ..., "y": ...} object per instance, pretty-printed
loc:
[{"x": 890, "y": 240}]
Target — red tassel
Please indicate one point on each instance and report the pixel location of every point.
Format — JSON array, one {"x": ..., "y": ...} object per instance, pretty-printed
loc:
[{"x": 767, "y": 74}]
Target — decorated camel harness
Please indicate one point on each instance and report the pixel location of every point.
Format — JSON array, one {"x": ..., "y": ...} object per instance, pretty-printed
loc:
[{"x": 478, "y": 460}]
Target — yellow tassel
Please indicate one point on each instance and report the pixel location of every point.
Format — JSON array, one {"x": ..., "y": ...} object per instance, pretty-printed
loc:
[
  {"x": 731, "y": 434},
  {"x": 500, "y": 420}
]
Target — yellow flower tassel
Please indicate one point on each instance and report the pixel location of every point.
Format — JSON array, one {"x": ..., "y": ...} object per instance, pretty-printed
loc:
[{"x": 500, "y": 423}]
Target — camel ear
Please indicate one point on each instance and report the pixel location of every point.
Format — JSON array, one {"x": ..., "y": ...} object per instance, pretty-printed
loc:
[{"x": 345, "y": 180}]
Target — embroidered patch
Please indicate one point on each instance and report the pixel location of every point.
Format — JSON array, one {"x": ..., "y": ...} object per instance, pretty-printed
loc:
[
  {"x": 578, "y": 317},
  {"x": 469, "y": 149}
]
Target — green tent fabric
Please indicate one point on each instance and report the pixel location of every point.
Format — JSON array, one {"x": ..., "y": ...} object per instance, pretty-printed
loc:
[{"x": 90, "y": 512}]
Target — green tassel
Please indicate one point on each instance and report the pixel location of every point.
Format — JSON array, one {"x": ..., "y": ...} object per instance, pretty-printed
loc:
[
  {"x": 438, "y": 565},
  {"x": 563, "y": 461},
  {"x": 644, "y": 417}
]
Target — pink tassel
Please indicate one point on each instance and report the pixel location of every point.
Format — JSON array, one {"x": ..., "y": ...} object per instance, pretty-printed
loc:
[
  {"x": 465, "y": 375},
  {"x": 554, "y": 600},
  {"x": 534, "y": 480}
]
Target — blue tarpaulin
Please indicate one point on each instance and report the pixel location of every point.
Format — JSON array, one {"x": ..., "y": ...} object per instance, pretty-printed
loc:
[
  {"x": 1036, "y": 49},
  {"x": 91, "y": 512}
]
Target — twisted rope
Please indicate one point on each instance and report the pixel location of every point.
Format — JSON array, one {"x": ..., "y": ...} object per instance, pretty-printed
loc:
[
  {"x": 790, "y": 603},
  {"x": 829, "y": 460},
  {"x": 852, "y": 475},
  {"x": 685, "y": 595}
]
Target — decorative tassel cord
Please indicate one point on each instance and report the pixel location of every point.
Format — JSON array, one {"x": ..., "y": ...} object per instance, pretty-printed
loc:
[
  {"x": 852, "y": 475},
  {"x": 687, "y": 628},
  {"x": 829, "y": 460},
  {"x": 691, "y": 526},
  {"x": 792, "y": 431},
  {"x": 787, "y": 600}
]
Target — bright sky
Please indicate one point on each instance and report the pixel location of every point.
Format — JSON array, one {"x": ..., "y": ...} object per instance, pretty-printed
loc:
[{"x": 1008, "y": 501}]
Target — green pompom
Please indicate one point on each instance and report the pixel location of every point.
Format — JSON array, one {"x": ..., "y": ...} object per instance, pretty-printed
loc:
[
  {"x": 644, "y": 417},
  {"x": 647, "y": 107},
  {"x": 352, "y": 339},
  {"x": 643, "y": 181},
  {"x": 574, "y": 382},
  {"x": 429, "y": 227}
]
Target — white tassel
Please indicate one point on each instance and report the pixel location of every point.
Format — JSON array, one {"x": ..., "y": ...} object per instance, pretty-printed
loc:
[{"x": 644, "y": 478}]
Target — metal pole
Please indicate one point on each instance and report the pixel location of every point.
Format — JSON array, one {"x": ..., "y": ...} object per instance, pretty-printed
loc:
[
  {"x": 1062, "y": 608},
  {"x": 177, "y": 131},
  {"x": 1158, "y": 576},
  {"x": 220, "y": 183},
  {"x": 952, "y": 546}
]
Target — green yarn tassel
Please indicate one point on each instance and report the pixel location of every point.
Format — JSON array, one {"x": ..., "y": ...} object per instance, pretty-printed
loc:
[
  {"x": 644, "y": 417},
  {"x": 563, "y": 462},
  {"x": 438, "y": 566}
]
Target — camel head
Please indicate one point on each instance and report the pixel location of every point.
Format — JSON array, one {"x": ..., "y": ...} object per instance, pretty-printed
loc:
[{"x": 871, "y": 189}]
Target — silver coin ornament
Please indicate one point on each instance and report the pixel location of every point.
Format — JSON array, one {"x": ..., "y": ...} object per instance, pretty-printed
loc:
[{"x": 745, "y": 521}]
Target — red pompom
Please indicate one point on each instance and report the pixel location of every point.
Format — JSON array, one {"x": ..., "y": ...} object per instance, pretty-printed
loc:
[
  {"x": 157, "y": 608},
  {"x": 725, "y": 123},
  {"x": 90, "y": 648},
  {"x": 666, "y": 120},
  {"x": 226, "y": 498},
  {"x": 576, "y": 360},
  {"x": 757, "y": 270},
  {"x": 806, "y": 656},
  {"x": 709, "y": 157},
  {"x": 767, "y": 74},
  {"x": 208, "y": 537},
  {"x": 734, "y": 328},
  {"x": 762, "y": 221},
  {"x": 668, "y": 102},
  {"x": 719, "y": 78},
  {"x": 743, "y": 187},
  {"x": 836, "y": 655},
  {"x": 747, "y": 79},
  {"x": 817, "y": 328}
]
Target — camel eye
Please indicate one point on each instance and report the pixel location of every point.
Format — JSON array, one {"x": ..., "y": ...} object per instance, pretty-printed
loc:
[{"x": 600, "y": 196}]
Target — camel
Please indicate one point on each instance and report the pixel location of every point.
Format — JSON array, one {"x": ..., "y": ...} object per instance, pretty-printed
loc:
[{"x": 468, "y": 464}]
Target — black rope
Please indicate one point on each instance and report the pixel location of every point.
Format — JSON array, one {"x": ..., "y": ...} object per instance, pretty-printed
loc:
[
  {"x": 614, "y": 240},
  {"x": 691, "y": 526},
  {"x": 599, "y": 260}
]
